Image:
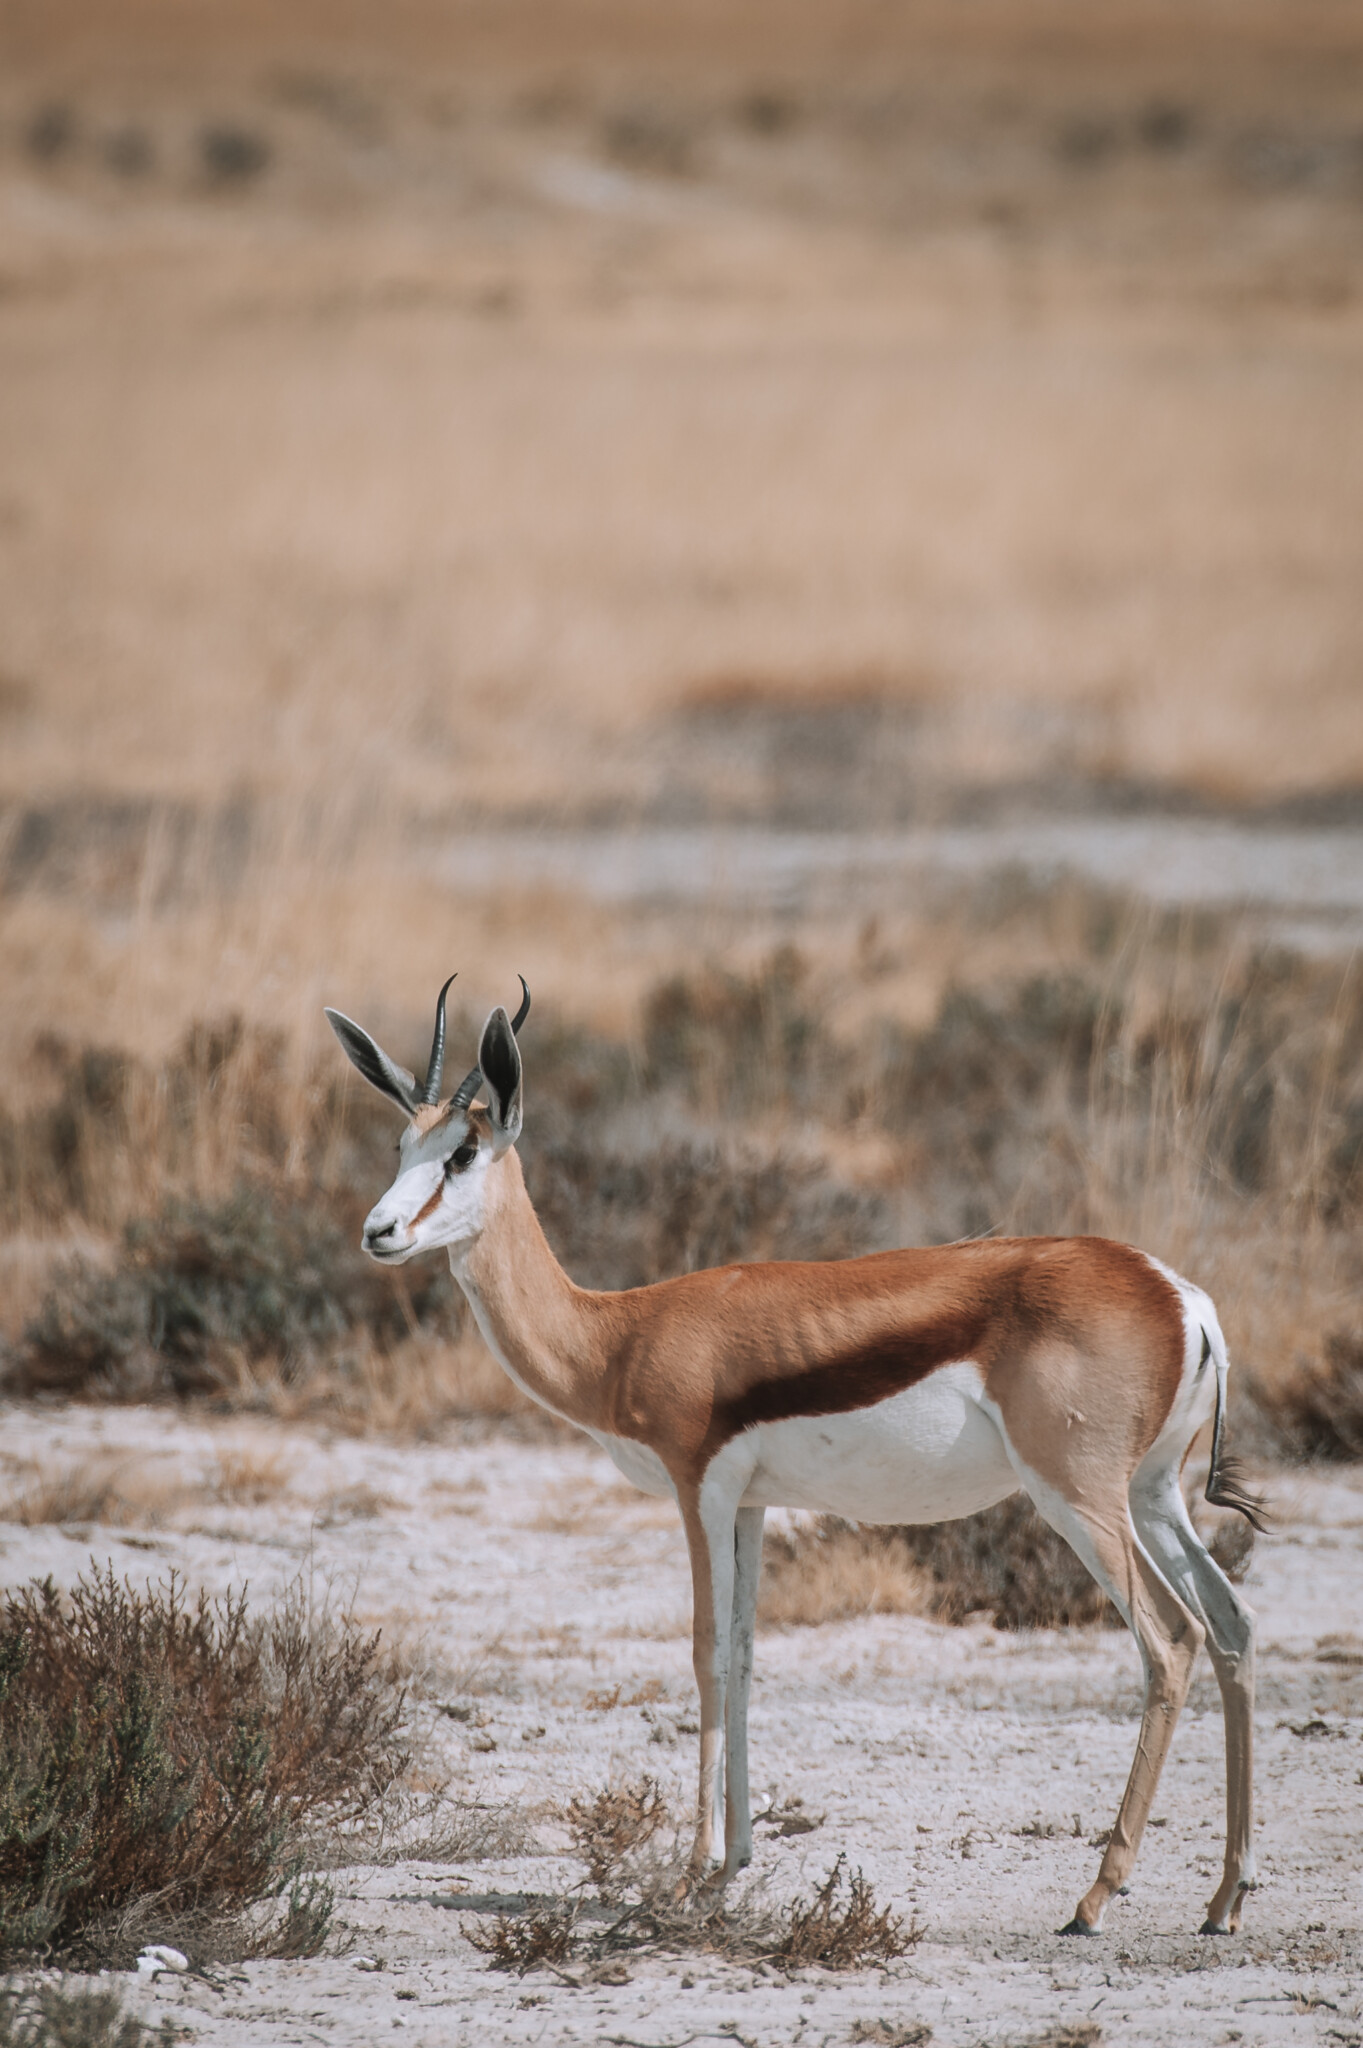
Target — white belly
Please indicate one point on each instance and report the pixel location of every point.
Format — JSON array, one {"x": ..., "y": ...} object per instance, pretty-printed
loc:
[{"x": 929, "y": 1454}]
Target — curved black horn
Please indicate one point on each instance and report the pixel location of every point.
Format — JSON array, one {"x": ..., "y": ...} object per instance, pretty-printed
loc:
[
  {"x": 468, "y": 1087},
  {"x": 524, "y": 1010},
  {"x": 430, "y": 1092}
]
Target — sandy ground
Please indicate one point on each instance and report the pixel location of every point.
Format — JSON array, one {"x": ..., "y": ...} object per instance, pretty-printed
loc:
[{"x": 963, "y": 1770}]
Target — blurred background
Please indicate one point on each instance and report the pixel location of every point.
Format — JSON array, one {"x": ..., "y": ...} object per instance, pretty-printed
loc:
[{"x": 828, "y": 536}]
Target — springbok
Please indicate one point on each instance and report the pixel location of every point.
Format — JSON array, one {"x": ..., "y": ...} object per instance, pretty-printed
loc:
[{"x": 908, "y": 1386}]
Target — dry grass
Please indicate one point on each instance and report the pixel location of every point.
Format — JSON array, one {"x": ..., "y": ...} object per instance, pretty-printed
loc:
[
  {"x": 122, "y": 1492},
  {"x": 249, "y": 1476},
  {"x": 829, "y": 1571}
]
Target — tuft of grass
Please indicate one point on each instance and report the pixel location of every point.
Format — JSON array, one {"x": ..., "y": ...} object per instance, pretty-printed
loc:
[
  {"x": 843, "y": 1934},
  {"x": 75, "y": 2016},
  {"x": 163, "y": 1759},
  {"x": 521, "y": 1942},
  {"x": 828, "y": 1570},
  {"x": 608, "y": 1829}
]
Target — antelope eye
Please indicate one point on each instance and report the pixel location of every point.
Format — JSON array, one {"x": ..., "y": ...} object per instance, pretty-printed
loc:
[{"x": 461, "y": 1158}]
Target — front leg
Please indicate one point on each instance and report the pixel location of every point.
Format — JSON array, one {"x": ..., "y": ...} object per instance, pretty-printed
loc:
[
  {"x": 737, "y": 1803},
  {"x": 710, "y": 1538}
]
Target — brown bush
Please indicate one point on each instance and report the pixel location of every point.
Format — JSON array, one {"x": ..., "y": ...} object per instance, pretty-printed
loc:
[
  {"x": 162, "y": 1759},
  {"x": 521, "y": 1942},
  {"x": 843, "y": 1936},
  {"x": 606, "y": 1830}
]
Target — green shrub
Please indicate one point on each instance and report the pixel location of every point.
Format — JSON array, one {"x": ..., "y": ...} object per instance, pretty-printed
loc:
[{"x": 167, "y": 1756}]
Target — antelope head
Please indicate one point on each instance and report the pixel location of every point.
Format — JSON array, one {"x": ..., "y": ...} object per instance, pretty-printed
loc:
[{"x": 449, "y": 1148}]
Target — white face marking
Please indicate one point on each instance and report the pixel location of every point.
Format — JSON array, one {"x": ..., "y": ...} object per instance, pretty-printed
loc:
[{"x": 438, "y": 1198}]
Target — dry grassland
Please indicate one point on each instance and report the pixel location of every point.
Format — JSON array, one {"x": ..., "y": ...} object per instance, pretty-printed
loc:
[{"x": 457, "y": 424}]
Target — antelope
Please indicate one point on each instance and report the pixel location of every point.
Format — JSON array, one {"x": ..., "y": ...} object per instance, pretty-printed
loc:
[{"x": 902, "y": 1387}]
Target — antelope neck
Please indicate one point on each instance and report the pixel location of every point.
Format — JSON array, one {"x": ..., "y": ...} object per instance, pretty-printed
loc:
[{"x": 553, "y": 1337}]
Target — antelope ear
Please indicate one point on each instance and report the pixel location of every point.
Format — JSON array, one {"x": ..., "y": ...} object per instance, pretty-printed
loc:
[
  {"x": 499, "y": 1056},
  {"x": 373, "y": 1062}
]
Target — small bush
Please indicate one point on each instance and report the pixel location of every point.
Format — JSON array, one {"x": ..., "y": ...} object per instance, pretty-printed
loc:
[
  {"x": 201, "y": 1287},
  {"x": 162, "y": 1757},
  {"x": 75, "y": 2016},
  {"x": 607, "y": 1829},
  {"x": 843, "y": 1936},
  {"x": 521, "y": 1942}
]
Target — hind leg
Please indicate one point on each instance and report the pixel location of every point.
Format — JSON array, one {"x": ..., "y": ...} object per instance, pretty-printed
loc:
[
  {"x": 1168, "y": 1637},
  {"x": 1162, "y": 1520}
]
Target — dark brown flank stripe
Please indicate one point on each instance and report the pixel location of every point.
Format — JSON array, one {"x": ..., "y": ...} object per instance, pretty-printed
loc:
[{"x": 888, "y": 1362}]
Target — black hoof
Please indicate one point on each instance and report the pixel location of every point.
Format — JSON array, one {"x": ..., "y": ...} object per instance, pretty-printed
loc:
[
  {"x": 1077, "y": 1926},
  {"x": 1210, "y": 1927}
]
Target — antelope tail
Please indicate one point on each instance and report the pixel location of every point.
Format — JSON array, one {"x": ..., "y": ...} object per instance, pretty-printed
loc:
[{"x": 1225, "y": 1486}]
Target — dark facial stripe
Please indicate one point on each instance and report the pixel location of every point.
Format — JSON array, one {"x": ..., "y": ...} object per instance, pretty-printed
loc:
[{"x": 428, "y": 1208}]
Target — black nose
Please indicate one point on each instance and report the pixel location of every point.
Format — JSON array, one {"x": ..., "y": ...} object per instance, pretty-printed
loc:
[{"x": 375, "y": 1236}]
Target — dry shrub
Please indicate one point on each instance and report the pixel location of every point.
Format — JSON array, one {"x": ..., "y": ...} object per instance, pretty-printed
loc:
[
  {"x": 608, "y": 1829},
  {"x": 831, "y": 1571},
  {"x": 659, "y": 1908},
  {"x": 835, "y": 1931},
  {"x": 521, "y": 1942},
  {"x": 1316, "y": 1412},
  {"x": 163, "y": 1759},
  {"x": 1072, "y": 2034},
  {"x": 892, "y": 2033},
  {"x": 75, "y": 2016},
  {"x": 202, "y": 1291},
  {"x": 1009, "y": 1563},
  {"x": 842, "y": 1935},
  {"x": 1005, "y": 1561},
  {"x": 739, "y": 1045}
]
